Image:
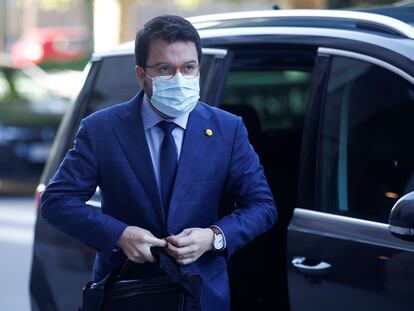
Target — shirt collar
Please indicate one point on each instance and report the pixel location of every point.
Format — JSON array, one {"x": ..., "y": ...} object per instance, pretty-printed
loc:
[{"x": 151, "y": 118}]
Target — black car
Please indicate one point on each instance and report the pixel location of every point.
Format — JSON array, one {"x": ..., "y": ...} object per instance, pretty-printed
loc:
[
  {"x": 30, "y": 114},
  {"x": 328, "y": 101}
]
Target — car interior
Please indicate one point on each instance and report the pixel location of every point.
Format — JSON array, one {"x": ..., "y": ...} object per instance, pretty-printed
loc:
[{"x": 268, "y": 88}]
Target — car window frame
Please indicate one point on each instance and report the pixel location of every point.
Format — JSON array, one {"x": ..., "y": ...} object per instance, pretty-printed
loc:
[{"x": 216, "y": 75}]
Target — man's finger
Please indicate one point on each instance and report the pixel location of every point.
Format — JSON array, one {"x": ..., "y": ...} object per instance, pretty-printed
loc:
[
  {"x": 183, "y": 233},
  {"x": 153, "y": 241},
  {"x": 136, "y": 260},
  {"x": 187, "y": 251},
  {"x": 184, "y": 241},
  {"x": 135, "y": 256},
  {"x": 185, "y": 261},
  {"x": 146, "y": 252},
  {"x": 180, "y": 241},
  {"x": 173, "y": 238},
  {"x": 179, "y": 252},
  {"x": 151, "y": 258},
  {"x": 173, "y": 251}
]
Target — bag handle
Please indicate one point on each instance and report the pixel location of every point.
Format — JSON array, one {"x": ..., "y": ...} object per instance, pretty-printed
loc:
[
  {"x": 168, "y": 264},
  {"x": 191, "y": 283}
]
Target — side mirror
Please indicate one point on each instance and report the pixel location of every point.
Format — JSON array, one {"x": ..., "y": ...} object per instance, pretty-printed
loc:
[{"x": 401, "y": 220}]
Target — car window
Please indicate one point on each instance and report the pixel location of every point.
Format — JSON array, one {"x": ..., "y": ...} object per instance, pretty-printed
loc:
[
  {"x": 115, "y": 83},
  {"x": 366, "y": 154},
  {"x": 17, "y": 86},
  {"x": 271, "y": 97},
  {"x": 206, "y": 67},
  {"x": 278, "y": 97},
  {"x": 214, "y": 68}
]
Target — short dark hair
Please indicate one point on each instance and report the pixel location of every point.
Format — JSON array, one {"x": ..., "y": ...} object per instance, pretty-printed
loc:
[{"x": 169, "y": 28}]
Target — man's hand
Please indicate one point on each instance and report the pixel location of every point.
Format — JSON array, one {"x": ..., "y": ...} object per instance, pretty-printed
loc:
[
  {"x": 136, "y": 242},
  {"x": 190, "y": 244}
]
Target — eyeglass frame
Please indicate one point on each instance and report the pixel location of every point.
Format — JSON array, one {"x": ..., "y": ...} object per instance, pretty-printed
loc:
[{"x": 169, "y": 77}]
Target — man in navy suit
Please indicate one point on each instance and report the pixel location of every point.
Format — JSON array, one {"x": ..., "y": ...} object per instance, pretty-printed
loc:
[{"x": 162, "y": 162}]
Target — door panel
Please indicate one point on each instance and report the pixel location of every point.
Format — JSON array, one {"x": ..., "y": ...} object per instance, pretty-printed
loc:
[{"x": 370, "y": 268}]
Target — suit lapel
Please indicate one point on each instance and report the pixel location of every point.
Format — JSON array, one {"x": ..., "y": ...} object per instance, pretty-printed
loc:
[
  {"x": 131, "y": 136},
  {"x": 194, "y": 144}
]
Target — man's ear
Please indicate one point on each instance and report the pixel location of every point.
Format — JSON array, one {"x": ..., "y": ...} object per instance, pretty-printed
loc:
[{"x": 139, "y": 72}]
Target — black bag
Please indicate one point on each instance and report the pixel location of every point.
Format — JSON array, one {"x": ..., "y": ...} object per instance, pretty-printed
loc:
[{"x": 173, "y": 291}]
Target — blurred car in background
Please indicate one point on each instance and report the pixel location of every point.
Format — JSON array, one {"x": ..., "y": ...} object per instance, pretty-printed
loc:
[
  {"x": 54, "y": 47},
  {"x": 30, "y": 114}
]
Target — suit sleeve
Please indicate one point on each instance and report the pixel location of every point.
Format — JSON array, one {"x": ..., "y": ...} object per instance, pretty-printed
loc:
[
  {"x": 63, "y": 204},
  {"x": 255, "y": 208}
]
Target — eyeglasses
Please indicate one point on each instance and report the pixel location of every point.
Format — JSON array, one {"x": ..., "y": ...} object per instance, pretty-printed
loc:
[{"x": 167, "y": 71}]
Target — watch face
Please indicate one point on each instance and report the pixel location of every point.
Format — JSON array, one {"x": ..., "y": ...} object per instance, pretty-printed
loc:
[{"x": 218, "y": 241}]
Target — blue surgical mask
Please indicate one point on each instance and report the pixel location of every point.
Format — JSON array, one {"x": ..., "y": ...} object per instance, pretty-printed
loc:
[{"x": 176, "y": 96}]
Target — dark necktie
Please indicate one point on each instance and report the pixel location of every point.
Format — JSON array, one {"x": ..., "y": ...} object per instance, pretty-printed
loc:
[{"x": 168, "y": 163}]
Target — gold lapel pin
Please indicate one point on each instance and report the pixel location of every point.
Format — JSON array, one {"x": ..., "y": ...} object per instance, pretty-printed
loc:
[{"x": 209, "y": 132}]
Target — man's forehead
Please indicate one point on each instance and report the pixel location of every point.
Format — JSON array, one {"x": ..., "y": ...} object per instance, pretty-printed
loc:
[
  {"x": 163, "y": 51},
  {"x": 158, "y": 43}
]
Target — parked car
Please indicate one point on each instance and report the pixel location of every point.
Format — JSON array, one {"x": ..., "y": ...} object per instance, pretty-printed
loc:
[
  {"x": 54, "y": 47},
  {"x": 328, "y": 101},
  {"x": 29, "y": 117}
]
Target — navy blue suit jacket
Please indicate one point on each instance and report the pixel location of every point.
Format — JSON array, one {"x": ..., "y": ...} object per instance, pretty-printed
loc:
[{"x": 111, "y": 151}]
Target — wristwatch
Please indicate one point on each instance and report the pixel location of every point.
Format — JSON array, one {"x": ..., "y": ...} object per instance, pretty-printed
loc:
[{"x": 218, "y": 240}]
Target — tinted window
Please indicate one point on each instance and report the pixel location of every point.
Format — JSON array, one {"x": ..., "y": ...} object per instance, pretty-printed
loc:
[
  {"x": 367, "y": 158},
  {"x": 115, "y": 83},
  {"x": 212, "y": 75},
  {"x": 271, "y": 96},
  {"x": 278, "y": 97}
]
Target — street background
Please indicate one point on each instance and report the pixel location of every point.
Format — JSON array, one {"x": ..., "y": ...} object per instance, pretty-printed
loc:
[{"x": 17, "y": 216}]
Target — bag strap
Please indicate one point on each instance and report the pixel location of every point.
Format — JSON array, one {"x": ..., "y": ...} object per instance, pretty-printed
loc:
[
  {"x": 191, "y": 283},
  {"x": 168, "y": 264}
]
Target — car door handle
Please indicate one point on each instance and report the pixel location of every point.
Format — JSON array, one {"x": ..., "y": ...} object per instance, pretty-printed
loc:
[{"x": 311, "y": 267}]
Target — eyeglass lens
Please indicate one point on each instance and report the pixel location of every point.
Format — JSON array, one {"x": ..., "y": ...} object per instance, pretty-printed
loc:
[{"x": 189, "y": 70}]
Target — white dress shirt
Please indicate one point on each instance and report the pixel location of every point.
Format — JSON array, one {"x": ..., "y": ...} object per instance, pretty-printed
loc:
[{"x": 155, "y": 134}]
